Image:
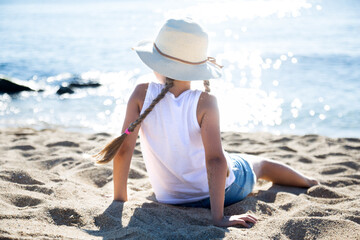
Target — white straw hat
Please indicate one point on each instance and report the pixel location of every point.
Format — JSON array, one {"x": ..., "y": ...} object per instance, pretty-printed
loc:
[{"x": 180, "y": 52}]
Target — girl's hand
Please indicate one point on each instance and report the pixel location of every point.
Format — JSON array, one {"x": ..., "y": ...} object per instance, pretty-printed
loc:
[{"x": 242, "y": 220}]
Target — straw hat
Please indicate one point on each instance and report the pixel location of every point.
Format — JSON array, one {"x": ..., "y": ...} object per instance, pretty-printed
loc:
[{"x": 180, "y": 52}]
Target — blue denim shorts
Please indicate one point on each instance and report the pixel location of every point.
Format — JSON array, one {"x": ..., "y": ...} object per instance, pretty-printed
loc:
[{"x": 243, "y": 185}]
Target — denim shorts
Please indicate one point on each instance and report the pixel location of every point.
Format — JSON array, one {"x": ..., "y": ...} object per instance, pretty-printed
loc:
[{"x": 243, "y": 185}]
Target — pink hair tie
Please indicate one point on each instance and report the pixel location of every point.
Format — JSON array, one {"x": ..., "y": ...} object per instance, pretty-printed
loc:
[{"x": 127, "y": 132}]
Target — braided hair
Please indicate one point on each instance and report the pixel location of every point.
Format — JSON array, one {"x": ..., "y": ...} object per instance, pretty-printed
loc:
[
  {"x": 207, "y": 85},
  {"x": 110, "y": 150}
]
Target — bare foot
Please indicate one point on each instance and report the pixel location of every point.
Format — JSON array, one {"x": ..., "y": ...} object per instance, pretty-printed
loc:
[{"x": 312, "y": 182}]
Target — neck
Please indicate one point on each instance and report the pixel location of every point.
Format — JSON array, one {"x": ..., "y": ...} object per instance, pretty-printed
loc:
[{"x": 180, "y": 87}]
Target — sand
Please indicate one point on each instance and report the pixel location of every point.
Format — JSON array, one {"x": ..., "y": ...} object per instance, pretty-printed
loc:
[{"x": 50, "y": 188}]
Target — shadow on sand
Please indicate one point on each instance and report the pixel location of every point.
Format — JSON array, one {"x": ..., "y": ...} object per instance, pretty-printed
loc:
[{"x": 153, "y": 220}]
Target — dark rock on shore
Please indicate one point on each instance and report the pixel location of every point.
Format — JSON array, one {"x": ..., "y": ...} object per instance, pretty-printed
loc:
[
  {"x": 84, "y": 85},
  {"x": 8, "y": 86},
  {"x": 12, "y": 86},
  {"x": 69, "y": 88},
  {"x": 63, "y": 90}
]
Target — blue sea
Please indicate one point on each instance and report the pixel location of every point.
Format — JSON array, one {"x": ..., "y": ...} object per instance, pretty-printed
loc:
[{"x": 290, "y": 67}]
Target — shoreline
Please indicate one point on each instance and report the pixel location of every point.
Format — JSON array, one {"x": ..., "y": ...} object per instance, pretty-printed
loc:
[{"x": 51, "y": 188}]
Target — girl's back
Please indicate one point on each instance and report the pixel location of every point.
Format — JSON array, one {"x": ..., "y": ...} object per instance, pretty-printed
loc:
[{"x": 172, "y": 147}]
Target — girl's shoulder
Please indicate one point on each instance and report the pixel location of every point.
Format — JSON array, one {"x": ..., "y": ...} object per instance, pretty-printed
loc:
[
  {"x": 207, "y": 101},
  {"x": 207, "y": 105},
  {"x": 140, "y": 90},
  {"x": 139, "y": 94}
]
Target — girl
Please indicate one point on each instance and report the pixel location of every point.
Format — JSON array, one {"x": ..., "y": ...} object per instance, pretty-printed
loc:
[{"x": 180, "y": 134}]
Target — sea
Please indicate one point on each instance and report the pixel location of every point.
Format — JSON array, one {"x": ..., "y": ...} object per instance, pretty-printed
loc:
[{"x": 290, "y": 67}]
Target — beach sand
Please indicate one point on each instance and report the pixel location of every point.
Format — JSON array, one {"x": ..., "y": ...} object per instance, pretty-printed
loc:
[{"x": 51, "y": 189}]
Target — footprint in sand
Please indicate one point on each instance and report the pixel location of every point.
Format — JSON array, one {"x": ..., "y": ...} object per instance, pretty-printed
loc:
[
  {"x": 333, "y": 170},
  {"x": 341, "y": 182},
  {"x": 98, "y": 176},
  {"x": 19, "y": 139},
  {"x": 286, "y": 206},
  {"x": 25, "y": 134},
  {"x": 355, "y": 219},
  {"x": 27, "y": 155},
  {"x": 66, "y": 216},
  {"x": 51, "y": 163},
  {"x": 99, "y": 136},
  {"x": 23, "y": 147},
  {"x": 333, "y": 154},
  {"x": 354, "y": 140},
  {"x": 305, "y": 160},
  {"x": 288, "y": 149},
  {"x": 136, "y": 174},
  {"x": 20, "y": 177},
  {"x": 22, "y": 200},
  {"x": 103, "y": 134},
  {"x": 309, "y": 139},
  {"x": 315, "y": 211},
  {"x": 314, "y": 228},
  {"x": 265, "y": 208},
  {"x": 349, "y": 164},
  {"x": 321, "y": 191},
  {"x": 249, "y": 141},
  {"x": 267, "y": 196},
  {"x": 355, "y": 176},
  {"x": 63, "y": 144},
  {"x": 106, "y": 221},
  {"x": 34, "y": 188},
  {"x": 282, "y": 140},
  {"x": 349, "y": 147}
]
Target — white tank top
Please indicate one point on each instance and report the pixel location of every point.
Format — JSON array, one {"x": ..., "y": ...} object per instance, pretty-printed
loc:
[{"x": 172, "y": 147}]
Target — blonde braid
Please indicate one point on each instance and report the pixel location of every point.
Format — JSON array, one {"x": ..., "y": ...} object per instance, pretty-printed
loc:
[
  {"x": 109, "y": 151},
  {"x": 207, "y": 86}
]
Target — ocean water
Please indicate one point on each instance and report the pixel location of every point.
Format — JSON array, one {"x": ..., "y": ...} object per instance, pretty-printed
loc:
[{"x": 289, "y": 66}]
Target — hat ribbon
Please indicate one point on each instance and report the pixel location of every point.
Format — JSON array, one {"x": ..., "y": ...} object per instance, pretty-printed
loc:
[{"x": 209, "y": 59}]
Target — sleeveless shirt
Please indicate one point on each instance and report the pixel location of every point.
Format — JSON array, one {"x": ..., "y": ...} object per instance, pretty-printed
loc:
[{"x": 172, "y": 147}]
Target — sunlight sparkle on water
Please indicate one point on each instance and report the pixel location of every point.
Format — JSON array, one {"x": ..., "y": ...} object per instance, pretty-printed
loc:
[
  {"x": 220, "y": 11},
  {"x": 283, "y": 57},
  {"x": 277, "y": 64},
  {"x": 254, "y": 106},
  {"x": 296, "y": 103},
  {"x": 59, "y": 77},
  {"x": 108, "y": 102},
  {"x": 295, "y": 112}
]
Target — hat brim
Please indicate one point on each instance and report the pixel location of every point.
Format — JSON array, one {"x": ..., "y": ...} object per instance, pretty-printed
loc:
[{"x": 175, "y": 69}]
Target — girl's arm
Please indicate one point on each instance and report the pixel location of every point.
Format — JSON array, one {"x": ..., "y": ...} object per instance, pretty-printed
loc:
[
  {"x": 208, "y": 117},
  {"x": 121, "y": 162}
]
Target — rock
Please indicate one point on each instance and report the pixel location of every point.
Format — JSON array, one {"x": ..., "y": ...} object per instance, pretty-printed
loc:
[
  {"x": 69, "y": 88},
  {"x": 63, "y": 90},
  {"x": 8, "y": 86},
  {"x": 84, "y": 85}
]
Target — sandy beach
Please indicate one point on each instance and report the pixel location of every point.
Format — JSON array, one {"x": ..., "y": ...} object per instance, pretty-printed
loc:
[{"x": 50, "y": 188}]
